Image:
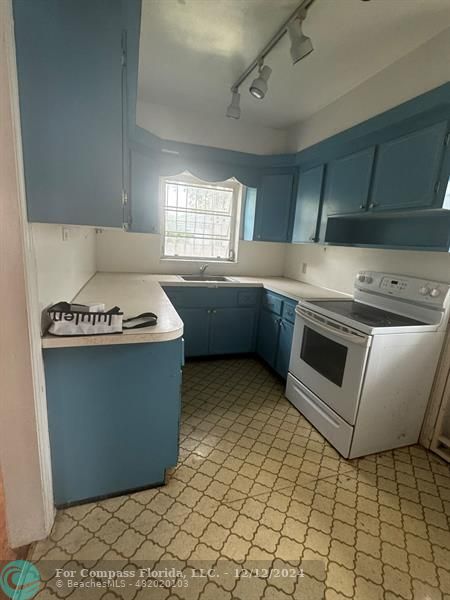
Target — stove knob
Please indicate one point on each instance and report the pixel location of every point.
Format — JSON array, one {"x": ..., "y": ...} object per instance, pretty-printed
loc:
[
  {"x": 369, "y": 279},
  {"x": 424, "y": 291},
  {"x": 435, "y": 292},
  {"x": 361, "y": 278}
]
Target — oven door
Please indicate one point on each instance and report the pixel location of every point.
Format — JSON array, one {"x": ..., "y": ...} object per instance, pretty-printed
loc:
[{"x": 330, "y": 359}]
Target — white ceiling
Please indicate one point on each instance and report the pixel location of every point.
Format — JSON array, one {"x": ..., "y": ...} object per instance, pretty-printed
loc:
[{"x": 191, "y": 51}]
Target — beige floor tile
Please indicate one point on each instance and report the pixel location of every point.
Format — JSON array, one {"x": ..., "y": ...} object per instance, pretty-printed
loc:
[
  {"x": 366, "y": 590},
  {"x": 245, "y": 527},
  {"x": 340, "y": 579},
  {"x": 236, "y": 548},
  {"x": 266, "y": 538}
]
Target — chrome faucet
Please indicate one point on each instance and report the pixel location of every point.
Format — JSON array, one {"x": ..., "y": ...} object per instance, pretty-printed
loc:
[{"x": 203, "y": 269}]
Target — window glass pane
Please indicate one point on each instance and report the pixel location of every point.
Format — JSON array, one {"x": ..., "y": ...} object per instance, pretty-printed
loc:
[
  {"x": 199, "y": 219},
  {"x": 447, "y": 196}
]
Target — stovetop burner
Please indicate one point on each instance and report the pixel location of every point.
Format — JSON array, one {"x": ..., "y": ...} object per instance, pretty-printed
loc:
[{"x": 363, "y": 313}]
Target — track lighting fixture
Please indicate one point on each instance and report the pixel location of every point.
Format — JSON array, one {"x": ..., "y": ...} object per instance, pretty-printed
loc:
[
  {"x": 234, "y": 110},
  {"x": 258, "y": 88},
  {"x": 301, "y": 44}
]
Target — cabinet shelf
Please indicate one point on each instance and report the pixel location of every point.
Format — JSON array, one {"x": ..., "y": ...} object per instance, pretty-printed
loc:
[{"x": 419, "y": 230}]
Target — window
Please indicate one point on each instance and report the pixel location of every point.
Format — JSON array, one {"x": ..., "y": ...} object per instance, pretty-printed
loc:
[
  {"x": 200, "y": 218},
  {"x": 446, "y": 203}
]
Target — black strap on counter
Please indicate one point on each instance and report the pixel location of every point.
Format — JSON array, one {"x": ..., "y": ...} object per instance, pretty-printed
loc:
[{"x": 150, "y": 320}]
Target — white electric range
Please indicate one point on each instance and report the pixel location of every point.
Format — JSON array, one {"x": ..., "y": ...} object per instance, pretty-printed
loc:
[{"x": 361, "y": 369}]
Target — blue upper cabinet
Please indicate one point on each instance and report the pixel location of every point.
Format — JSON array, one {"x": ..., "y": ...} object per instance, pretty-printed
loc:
[
  {"x": 70, "y": 72},
  {"x": 347, "y": 185},
  {"x": 407, "y": 169},
  {"x": 274, "y": 208},
  {"x": 143, "y": 197},
  {"x": 307, "y": 208}
]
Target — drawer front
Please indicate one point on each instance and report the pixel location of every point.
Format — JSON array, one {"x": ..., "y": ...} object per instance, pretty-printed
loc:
[
  {"x": 331, "y": 426},
  {"x": 272, "y": 303},
  {"x": 248, "y": 297},
  {"x": 289, "y": 311}
]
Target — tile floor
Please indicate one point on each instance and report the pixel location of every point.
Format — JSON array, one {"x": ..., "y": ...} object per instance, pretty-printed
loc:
[{"x": 257, "y": 485}]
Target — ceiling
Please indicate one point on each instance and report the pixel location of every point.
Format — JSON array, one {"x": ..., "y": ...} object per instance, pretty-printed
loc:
[{"x": 191, "y": 51}]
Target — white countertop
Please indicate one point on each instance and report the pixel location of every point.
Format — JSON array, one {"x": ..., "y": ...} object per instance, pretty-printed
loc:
[{"x": 138, "y": 293}]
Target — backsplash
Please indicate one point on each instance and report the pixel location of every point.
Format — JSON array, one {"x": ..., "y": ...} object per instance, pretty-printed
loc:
[
  {"x": 335, "y": 267},
  {"x": 63, "y": 265},
  {"x": 118, "y": 251}
]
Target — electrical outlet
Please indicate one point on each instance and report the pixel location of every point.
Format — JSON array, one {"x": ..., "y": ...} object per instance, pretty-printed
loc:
[
  {"x": 65, "y": 234},
  {"x": 304, "y": 267}
]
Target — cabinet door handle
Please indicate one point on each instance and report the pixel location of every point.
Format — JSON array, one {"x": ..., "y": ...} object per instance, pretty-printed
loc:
[
  {"x": 373, "y": 204},
  {"x": 362, "y": 206}
]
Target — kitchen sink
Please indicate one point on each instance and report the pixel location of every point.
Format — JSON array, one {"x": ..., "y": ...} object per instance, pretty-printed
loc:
[{"x": 205, "y": 278}]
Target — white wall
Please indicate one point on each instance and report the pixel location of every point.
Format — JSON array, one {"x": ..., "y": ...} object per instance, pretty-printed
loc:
[
  {"x": 63, "y": 266},
  {"x": 24, "y": 445},
  {"x": 197, "y": 128},
  {"x": 120, "y": 251},
  {"x": 425, "y": 68},
  {"x": 335, "y": 267}
]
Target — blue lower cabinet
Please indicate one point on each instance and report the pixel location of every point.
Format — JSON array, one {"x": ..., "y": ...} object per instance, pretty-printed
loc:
[
  {"x": 114, "y": 414},
  {"x": 275, "y": 331},
  {"x": 196, "y": 330},
  {"x": 268, "y": 332},
  {"x": 232, "y": 330},
  {"x": 284, "y": 348},
  {"x": 219, "y": 320}
]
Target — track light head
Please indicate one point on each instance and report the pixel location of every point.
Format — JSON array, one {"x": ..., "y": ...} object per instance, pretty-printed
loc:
[
  {"x": 234, "y": 109},
  {"x": 301, "y": 44},
  {"x": 258, "y": 88}
]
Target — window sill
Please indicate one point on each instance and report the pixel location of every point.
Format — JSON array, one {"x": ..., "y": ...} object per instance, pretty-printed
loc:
[{"x": 211, "y": 261}]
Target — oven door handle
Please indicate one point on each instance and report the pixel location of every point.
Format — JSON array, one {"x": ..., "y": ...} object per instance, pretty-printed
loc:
[{"x": 328, "y": 326}]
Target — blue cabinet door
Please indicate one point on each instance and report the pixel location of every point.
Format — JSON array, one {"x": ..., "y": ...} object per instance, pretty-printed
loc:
[
  {"x": 407, "y": 169},
  {"x": 69, "y": 59},
  {"x": 144, "y": 194},
  {"x": 113, "y": 417},
  {"x": 307, "y": 208},
  {"x": 232, "y": 330},
  {"x": 347, "y": 185},
  {"x": 284, "y": 348},
  {"x": 268, "y": 332},
  {"x": 196, "y": 330},
  {"x": 274, "y": 208}
]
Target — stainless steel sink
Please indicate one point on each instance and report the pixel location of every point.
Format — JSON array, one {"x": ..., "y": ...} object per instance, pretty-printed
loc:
[{"x": 205, "y": 278}]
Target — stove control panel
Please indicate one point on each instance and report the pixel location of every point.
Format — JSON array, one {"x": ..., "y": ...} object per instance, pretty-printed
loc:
[
  {"x": 398, "y": 285},
  {"x": 411, "y": 289}
]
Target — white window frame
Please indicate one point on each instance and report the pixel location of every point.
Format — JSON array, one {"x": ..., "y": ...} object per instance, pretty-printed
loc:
[{"x": 189, "y": 179}]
